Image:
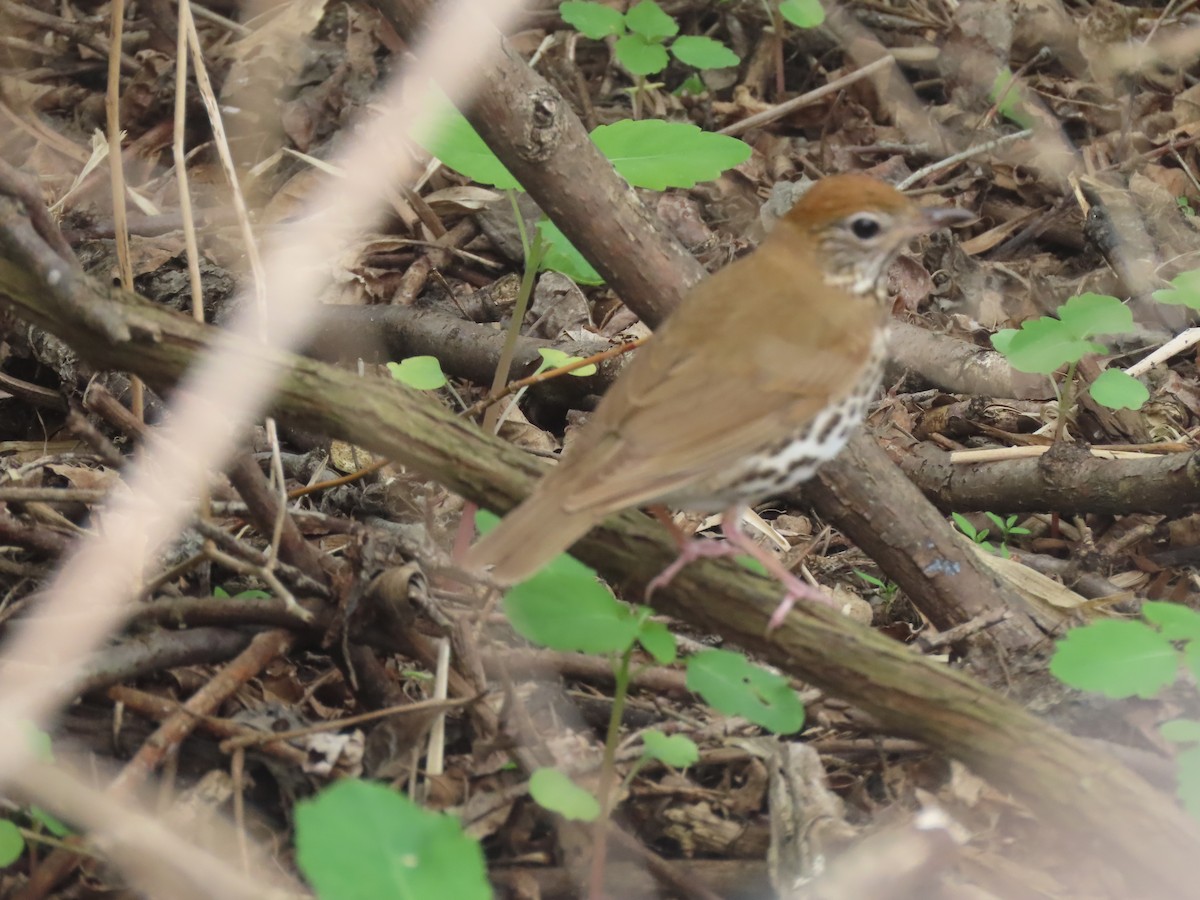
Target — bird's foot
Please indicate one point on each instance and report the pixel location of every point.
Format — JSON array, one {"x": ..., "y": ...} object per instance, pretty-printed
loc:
[
  {"x": 739, "y": 542},
  {"x": 690, "y": 550},
  {"x": 796, "y": 590}
]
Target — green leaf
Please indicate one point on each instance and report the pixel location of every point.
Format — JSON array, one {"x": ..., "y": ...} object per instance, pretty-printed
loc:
[
  {"x": 1116, "y": 658},
  {"x": 1188, "y": 767},
  {"x": 485, "y": 521},
  {"x": 1175, "y": 621},
  {"x": 640, "y": 56},
  {"x": 693, "y": 84},
  {"x": 754, "y": 565},
  {"x": 1090, "y": 314},
  {"x": 658, "y": 641},
  {"x": 459, "y": 147},
  {"x": 1117, "y": 390},
  {"x": 731, "y": 685},
  {"x": 654, "y": 154},
  {"x": 1044, "y": 344},
  {"x": 1002, "y": 340},
  {"x": 965, "y": 526},
  {"x": 1191, "y": 657},
  {"x": 52, "y": 824},
  {"x": 422, "y": 373},
  {"x": 869, "y": 579},
  {"x": 1184, "y": 290},
  {"x": 803, "y": 13},
  {"x": 1010, "y": 103},
  {"x": 674, "y": 750},
  {"x": 1181, "y": 731},
  {"x": 556, "y": 359},
  {"x": 593, "y": 20},
  {"x": 703, "y": 53},
  {"x": 362, "y": 841},
  {"x": 12, "y": 844},
  {"x": 556, "y": 792},
  {"x": 564, "y": 607},
  {"x": 561, "y": 255},
  {"x": 648, "y": 20}
]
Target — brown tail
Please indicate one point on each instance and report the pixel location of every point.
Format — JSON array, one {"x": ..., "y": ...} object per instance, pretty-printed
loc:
[{"x": 528, "y": 538}]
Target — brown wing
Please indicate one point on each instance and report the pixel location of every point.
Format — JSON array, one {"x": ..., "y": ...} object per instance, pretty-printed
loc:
[{"x": 678, "y": 413}]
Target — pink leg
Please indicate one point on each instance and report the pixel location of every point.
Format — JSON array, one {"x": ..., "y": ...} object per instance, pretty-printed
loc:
[
  {"x": 731, "y": 527},
  {"x": 737, "y": 542},
  {"x": 690, "y": 550}
]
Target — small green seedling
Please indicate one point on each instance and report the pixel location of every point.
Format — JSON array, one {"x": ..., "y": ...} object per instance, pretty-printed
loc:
[
  {"x": 360, "y": 839},
  {"x": 421, "y": 373},
  {"x": 731, "y": 684},
  {"x": 553, "y": 790},
  {"x": 1120, "y": 658},
  {"x": 1184, "y": 290},
  {"x": 552, "y": 359},
  {"x": 1185, "y": 206},
  {"x": 595, "y": 622},
  {"x": 1007, "y": 527},
  {"x": 675, "y": 750},
  {"x": 1045, "y": 344},
  {"x": 803, "y": 13},
  {"x": 975, "y": 535},
  {"x": 13, "y": 837},
  {"x": 642, "y": 34},
  {"x": 650, "y": 154},
  {"x": 556, "y": 359},
  {"x": 1006, "y": 94},
  {"x": 886, "y": 588},
  {"x": 254, "y": 594}
]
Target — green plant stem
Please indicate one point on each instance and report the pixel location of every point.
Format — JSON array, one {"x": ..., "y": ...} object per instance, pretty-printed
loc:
[
  {"x": 534, "y": 251},
  {"x": 776, "y": 45},
  {"x": 521, "y": 230},
  {"x": 608, "y": 771},
  {"x": 1065, "y": 402},
  {"x": 74, "y": 845},
  {"x": 521, "y": 393},
  {"x": 639, "y": 85}
]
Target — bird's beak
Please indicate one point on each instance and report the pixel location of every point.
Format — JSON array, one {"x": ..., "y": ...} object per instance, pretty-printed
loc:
[{"x": 934, "y": 218}]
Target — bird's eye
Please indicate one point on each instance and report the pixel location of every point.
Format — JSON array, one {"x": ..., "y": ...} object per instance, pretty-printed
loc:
[{"x": 865, "y": 227}]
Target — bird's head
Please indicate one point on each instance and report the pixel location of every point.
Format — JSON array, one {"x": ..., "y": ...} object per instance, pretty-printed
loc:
[{"x": 857, "y": 224}]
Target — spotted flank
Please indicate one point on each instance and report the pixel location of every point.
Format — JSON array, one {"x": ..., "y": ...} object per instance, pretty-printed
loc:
[{"x": 796, "y": 458}]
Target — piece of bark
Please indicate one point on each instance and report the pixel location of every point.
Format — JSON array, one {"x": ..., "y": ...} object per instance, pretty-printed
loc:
[
  {"x": 894, "y": 525},
  {"x": 465, "y": 349},
  {"x": 958, "y": 367},
  {"x": 1067, "y": 479}
]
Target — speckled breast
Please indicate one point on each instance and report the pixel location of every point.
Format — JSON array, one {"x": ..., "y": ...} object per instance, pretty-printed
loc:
[{"x": 779, "y": 467}]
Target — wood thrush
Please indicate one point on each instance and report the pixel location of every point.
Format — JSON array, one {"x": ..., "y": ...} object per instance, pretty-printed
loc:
[{"x": 761, "y": 375}]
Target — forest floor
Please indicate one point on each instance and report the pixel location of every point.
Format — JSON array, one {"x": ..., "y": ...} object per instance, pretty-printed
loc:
[{"x": 1068, "y": 128}]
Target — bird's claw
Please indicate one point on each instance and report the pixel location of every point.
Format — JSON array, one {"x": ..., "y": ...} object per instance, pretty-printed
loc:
[
  {"x": 796, "y": 590},
  {"x": 698, "y": 548}
]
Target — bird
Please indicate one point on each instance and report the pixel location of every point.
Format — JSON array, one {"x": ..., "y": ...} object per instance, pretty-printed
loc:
[{"x": 762, "y": 373}]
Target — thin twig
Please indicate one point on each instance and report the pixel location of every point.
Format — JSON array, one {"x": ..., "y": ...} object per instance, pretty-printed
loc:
[
  {"x": 539, "y": 377},
  {"x": 954, "y": 160},
  {"x": 789, "y": 106}
]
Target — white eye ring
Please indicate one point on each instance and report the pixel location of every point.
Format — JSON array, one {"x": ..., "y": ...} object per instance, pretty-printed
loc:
[{"x": 865, "y": 227}]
